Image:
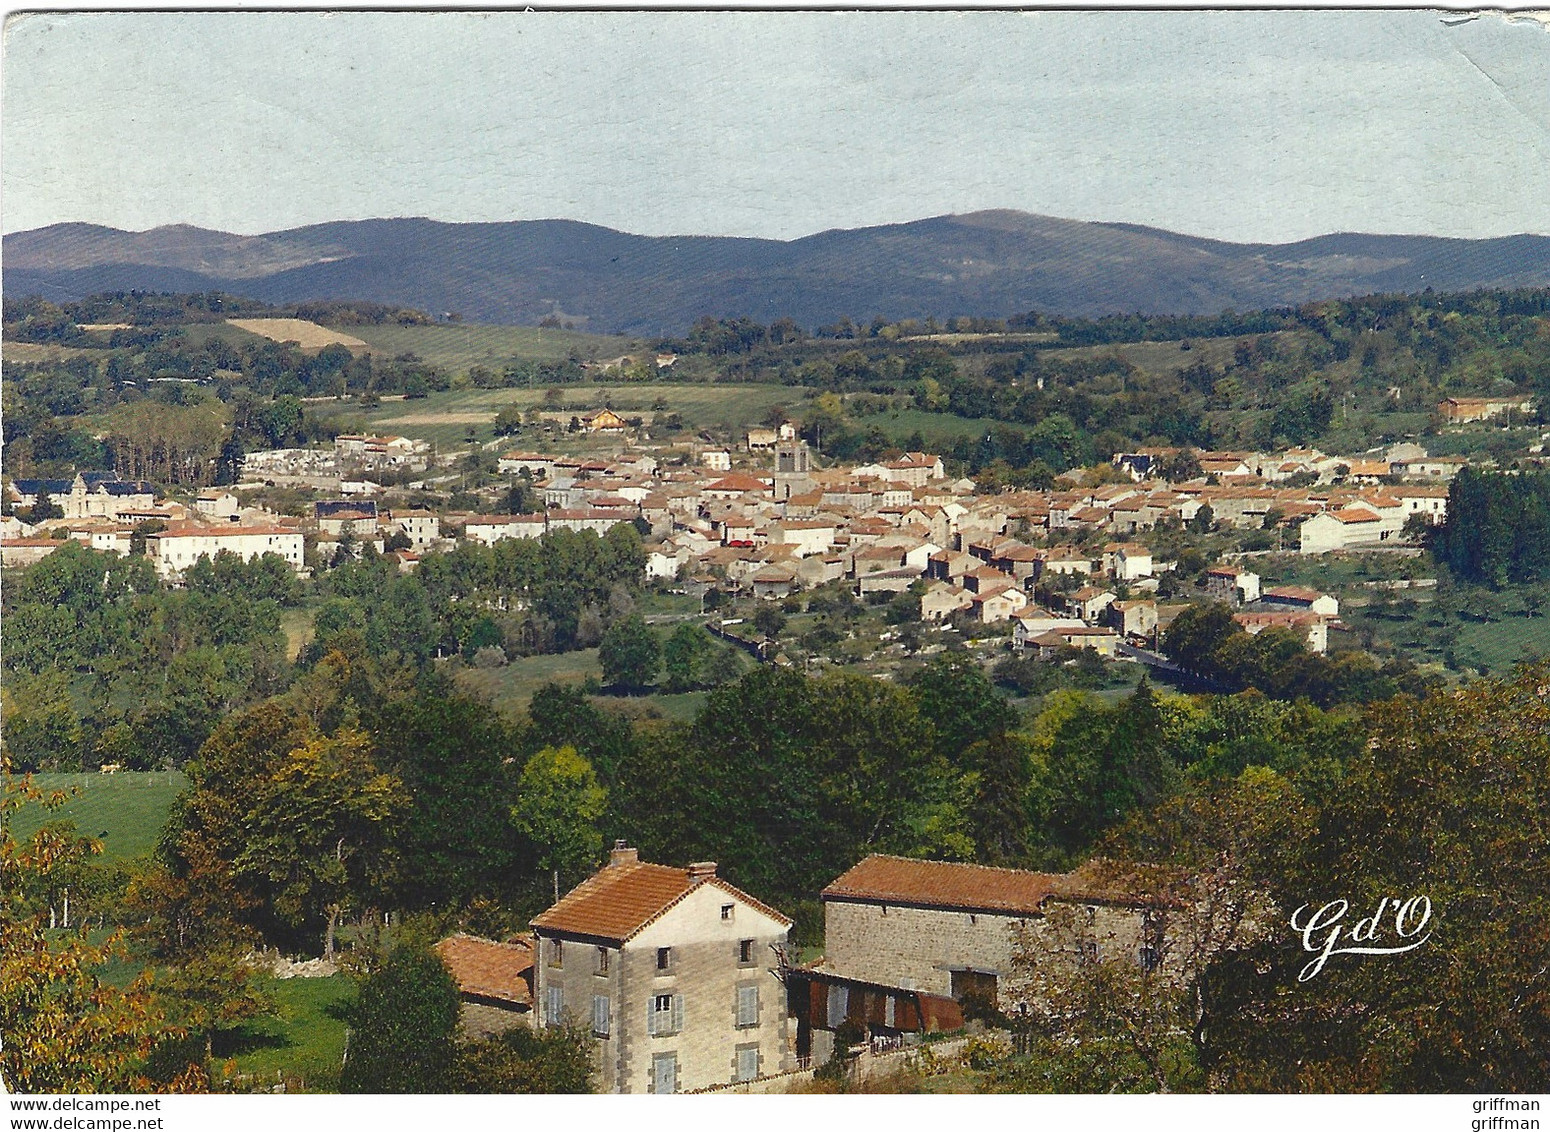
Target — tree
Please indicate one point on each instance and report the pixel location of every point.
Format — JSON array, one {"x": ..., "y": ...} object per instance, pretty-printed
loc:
[
  {"x": 316, "y": 837},
  {"x": 456, "y": 841},
  {"x": 508, "y": 421},
  {"x": 63, "y": 1029},
  {"x": 770, "y": 621},
  {"x": 683, "y": 656},
  {"x": 629, "y": 653},
  {"x": 558, "y": 806},
  {"x": 1196, "y": 634},
  {"x": 403, "y": 1026},
  {"x": 961, "y": 704},
  {"x": 556, "y": 1059}
]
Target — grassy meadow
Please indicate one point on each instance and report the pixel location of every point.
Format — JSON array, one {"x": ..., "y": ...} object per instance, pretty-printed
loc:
[
  {"x": 126, "y": 810},
  {"x": 445, "y": 418},
  {"x": 460, "y": 345}
]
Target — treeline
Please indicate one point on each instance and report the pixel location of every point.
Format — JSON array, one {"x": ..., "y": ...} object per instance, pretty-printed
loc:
[
  {"x": 106, "y": 664},
  {"x": 1497, "y": 530},
  {"x": 103, "y": 664},
  {"x": 439, "y": 802},
  {"x": 35, "y": 319},
  {"x": 1205, "y": 640}
]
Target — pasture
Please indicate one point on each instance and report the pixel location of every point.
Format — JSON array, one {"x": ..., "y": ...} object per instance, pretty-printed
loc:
[
  {"x": 126, "y": 810},
  {"x": 307, "y": 335},
  {"x": 457, "y": 346},
  {"x": 446, "y": 418},
  {"x": 510, "y": 687},
  {"x": 302, "y": 1044}
]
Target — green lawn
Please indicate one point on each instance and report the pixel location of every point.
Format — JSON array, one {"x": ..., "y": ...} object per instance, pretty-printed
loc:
[
  {"x": 127, "y": 810},
  {"x": 1498, "y": 645},
  {"x": 457, "y": 347},
  {"x": 303, "y": 1044},
  {"x": 511, "y": 686}
]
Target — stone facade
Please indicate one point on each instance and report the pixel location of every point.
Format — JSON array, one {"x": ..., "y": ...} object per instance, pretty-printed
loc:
[
  {"x": 934, "y": 949},
  {"x": 690, "y": 1000}
]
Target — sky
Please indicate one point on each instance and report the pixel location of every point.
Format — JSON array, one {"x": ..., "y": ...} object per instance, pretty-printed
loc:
[{"x": 1245, "y": 126}]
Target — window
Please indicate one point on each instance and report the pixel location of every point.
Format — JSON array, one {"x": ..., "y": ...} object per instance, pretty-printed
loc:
[
  {"x": 747, "y": 1006},
  {"x": 556, "y": 954},
  {"x": 839, "y": 1005},
  {"x": 664, "y": 1073},
  {"x": 556, "y": 1006},
  {"x": 664, "y": 959},
  {"x": 665, "y": 1015},
  {"x": 600, "y": 1014},
  {"x": 727, "y": 910},
  {"x": 747, "y": 1063},
  {"x": 745, "y": 952},
  {"x": 1149, "y": 959},
  {"x": 602, "y": 961}
]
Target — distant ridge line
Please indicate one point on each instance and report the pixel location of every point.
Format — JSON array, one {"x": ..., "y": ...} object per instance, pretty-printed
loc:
[{"x": 994, "y": 262}]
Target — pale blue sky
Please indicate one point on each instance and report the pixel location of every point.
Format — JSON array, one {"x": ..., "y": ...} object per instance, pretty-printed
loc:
[{"x": 1241, "y": 125}]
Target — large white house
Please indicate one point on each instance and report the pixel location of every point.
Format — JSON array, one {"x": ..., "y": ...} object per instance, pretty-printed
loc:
[{"x": 175, "y": 550}]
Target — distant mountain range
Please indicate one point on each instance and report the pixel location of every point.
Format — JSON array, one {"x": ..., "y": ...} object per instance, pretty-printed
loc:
[{"x": 984, "y": 263}]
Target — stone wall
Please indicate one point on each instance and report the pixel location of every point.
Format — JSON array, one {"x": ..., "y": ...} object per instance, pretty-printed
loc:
[{"x": 919, "y": 948}]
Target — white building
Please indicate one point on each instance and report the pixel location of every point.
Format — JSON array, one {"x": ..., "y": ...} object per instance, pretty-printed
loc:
[
  {"x": 174, "y": 551},
  {"x": 490, "y": 529},
  {"x": 1337, "y": 530}
]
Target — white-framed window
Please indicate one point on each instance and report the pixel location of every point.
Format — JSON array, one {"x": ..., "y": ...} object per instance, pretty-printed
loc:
[
  {"x": 554, "y": 1006},
  {"x": 727, "y": 911},
  {"x": 747, "y": 1063},
  {"x": 665, "y": 1015},
  {"x": 600, "y": 1015},
  {"x": 747, "y": 1006},
  {"x": 664, "y": 959}
]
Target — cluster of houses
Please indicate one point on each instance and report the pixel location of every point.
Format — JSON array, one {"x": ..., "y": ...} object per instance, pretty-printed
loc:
[
  {"x": 776, "y": 522},
  {"x": 686, "y": 983}
]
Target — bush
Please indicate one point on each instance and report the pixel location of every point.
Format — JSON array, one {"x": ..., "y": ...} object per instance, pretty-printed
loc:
[{"x": 491, "y": 656}]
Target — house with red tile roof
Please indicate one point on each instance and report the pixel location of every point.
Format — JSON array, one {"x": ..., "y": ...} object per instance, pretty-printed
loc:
[
  {"x": 494, "y": 981},
  {"x": 675, "y": 973},
  {"x": 907, "y": 941}
]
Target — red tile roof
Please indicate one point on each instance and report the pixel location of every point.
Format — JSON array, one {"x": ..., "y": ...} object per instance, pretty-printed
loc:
[
  {"x": 943, "y": 884},
  {"x": 981, "y": 888},
  {"x": 617, "y": 901},
  {"x": 489, "y": 969}
]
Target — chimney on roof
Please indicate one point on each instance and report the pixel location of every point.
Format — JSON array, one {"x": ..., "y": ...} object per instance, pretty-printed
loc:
[
  {"x": 701, "y": 870},
  {"x": 623, "y": 854}
]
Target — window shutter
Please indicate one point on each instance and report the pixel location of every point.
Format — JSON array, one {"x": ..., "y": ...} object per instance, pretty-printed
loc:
[
  {"x": 600, "y": 1015},
  {"x": 651, "y": 1018},
  {"x": 747, "y": 1006},
  {"x": 678, "y": 1013}
]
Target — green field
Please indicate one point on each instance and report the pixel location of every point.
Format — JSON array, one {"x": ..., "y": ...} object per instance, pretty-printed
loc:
[
  {"x": 934, "y": 428},
  {"x": 303, "y": 1044},
  {"x": 458, "y": 346},
  {"x": 445, "y": 418},
  {"x": 1158, "y": 357},
  {"x": 510, "y": 687},
  {"x": 127, "y": 810}
]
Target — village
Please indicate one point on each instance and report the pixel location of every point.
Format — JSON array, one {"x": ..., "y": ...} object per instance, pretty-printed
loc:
[{"x": 1068, "y": 568}]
